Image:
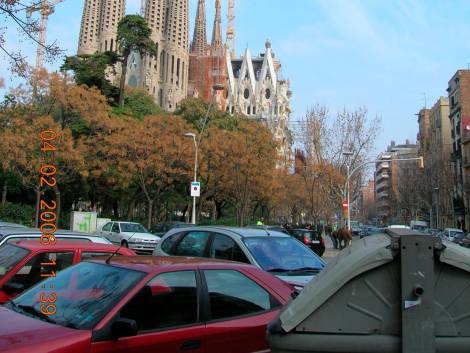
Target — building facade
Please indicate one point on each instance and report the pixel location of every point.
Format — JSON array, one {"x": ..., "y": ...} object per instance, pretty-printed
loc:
[
  {"x": 393, "y": 201},
  {"x": 436, "y": 149},
  {"x": 459, "y": 113}
]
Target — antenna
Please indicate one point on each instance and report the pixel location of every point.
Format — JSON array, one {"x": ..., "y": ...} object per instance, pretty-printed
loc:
[{"x": 117, "y": 250}]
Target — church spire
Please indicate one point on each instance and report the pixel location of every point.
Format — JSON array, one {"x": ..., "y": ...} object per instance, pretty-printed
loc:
[
  {"x": 199, "y": 44},
  {"x": 217, "y": 30}
]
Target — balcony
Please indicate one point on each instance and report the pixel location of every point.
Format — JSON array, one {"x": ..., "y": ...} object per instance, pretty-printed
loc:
[
  {"x": 382, "y": 176},
  {"x": 382, "y": 195},
  {"x": 382, "y": 166}
]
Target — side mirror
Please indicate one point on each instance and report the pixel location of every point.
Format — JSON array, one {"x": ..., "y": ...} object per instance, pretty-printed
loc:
[
  {"x": 123, "y": 328},
  {"x": 13, "y": 288}
]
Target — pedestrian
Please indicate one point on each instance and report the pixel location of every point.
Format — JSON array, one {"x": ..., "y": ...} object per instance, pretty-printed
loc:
[{"x": 333, "y": 236}]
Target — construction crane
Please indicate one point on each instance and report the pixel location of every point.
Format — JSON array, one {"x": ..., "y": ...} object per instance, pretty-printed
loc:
[
  {"x": 230, "y": 39},
  {"x": 46, "y": 8}
]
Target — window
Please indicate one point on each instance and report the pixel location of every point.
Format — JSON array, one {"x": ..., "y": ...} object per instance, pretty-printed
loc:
[
  {"x": 30, "y": 273},
  {"x": 169, "y": 242},
  {"x": 107, "y": 227},
  {"x": 193, "y": 244},
  {"x": 246, "y": 93},
  {"x": 10, "y": 255},
  {"x": 268, "y": 93},
  {"x": 223, "y": 247},
  {"x": 233, "y": 294},
  {"x": 168, "y": 300},
  {"x": 91, "y": 254},
  {"x": 115, "y": 228}
]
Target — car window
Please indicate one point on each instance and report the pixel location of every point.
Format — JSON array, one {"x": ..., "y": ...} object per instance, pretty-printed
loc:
[
  {"x": 224, "y": 247},
  {"x": 115, "y": 228},
  {"x": 233, "y": 294},
  {"x": 193, "y": 244},
  {"x": 168, "y": 300},
  {"x": 167, "y": 244},
  {"x": 133, "y": 227},
  {"x": 107, "y": 227},
  {"x": 10, "y": 256},
  {"x": 91, "y": 254},
  {"x": 37, "y": 268}
]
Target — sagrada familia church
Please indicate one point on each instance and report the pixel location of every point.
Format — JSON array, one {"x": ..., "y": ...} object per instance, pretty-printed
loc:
[{"x": 253, "y": 85}]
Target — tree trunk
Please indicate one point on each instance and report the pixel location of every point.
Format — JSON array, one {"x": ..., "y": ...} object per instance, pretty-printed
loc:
[
  {"x": 130, "y": 209},
  {"x": 122, "y": 84},
  {"x": 58, "y": 202},
  {"x": 116, "y": 209},
  {"x": 38, "y": 200},
  {"x": 4, "y": 192},
  {"x": 149, "y": 213},
  {"x": 183, "y": 217}
]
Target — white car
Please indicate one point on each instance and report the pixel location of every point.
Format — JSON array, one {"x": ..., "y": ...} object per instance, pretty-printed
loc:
[
  {"x": 450, "y": 233},
  {"x": 130, "y": 235},
  {"x": 11, "y": 235}
]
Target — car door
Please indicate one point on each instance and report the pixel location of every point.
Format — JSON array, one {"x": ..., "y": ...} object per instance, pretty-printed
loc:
[
  {"x": 106, "y": 230},
  {"x": 239, "y": 310},
  {"x": 166, "y": 311},
  {"x": 115, "y": 235}
]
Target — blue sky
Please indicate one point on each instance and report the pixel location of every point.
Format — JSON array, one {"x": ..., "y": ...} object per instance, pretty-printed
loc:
[{"x": 384, "y": 55}]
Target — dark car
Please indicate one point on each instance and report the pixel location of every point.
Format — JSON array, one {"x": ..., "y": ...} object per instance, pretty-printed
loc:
[
  {"x": 311, "y": 238},
  {"x": 145, "y": 304},
  {"x": 161, "y": 228},
  {"x": 370, "y": 231}
]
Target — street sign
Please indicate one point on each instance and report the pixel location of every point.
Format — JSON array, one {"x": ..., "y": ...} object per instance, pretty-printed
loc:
[{"x": 195, "y": 189}]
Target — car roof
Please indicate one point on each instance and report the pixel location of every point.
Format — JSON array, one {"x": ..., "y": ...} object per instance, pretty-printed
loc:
[
  {"x": 152, "y": 264},
  {"x": 12, "y": 225},
  {"x": 72, "y": 245},
  {"x": 32, "y": 231},
  {"x": 454, "y": 229},
  {"x": 242, "y": 232}
]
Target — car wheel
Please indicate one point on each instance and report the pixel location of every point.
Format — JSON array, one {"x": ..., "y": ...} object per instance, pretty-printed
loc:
[{"x": 124, "y": 244}]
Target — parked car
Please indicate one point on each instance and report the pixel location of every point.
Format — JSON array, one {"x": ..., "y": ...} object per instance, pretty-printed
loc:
[
  {"x": 130, "y": 235},
  {"x": 465, "y": 242},
  {"x": 9, "y": 235},
  {"x": 11, "y": 225},
  {"x": 311, "y": 238},
  {"x": 161, "y": 228},
  {"x": 275, "y": 252},
  {"x": 269, "y": 228},
  {"x": 450, "y": 233},
  {"x": 398, "y": 226},
  {"x": 146, "y": 304},
  {"x": 24, "y": 263},
  {"x": 371, "y": 231}
]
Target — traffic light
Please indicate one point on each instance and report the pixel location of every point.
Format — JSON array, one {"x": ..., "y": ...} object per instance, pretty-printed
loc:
[{"x": 421, "y": 162}]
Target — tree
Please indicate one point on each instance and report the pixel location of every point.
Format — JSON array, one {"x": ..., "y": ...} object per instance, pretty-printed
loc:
[
  {"x": 138, "y": 104},
  {"x": 90, "y": 70},
  {"x": 133, "y": 35},
  {"x": 14, "y": 12}
]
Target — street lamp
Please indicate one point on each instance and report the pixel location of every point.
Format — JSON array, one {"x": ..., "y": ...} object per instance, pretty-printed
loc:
[
  {"x": 216, "y": 87},
  {"x": 348, "y": 154}
]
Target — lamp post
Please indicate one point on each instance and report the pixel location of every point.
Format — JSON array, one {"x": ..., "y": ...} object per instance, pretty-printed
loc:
[
  {"x": 216, "y": 87},
  {"x": 193, "y": 135},
  {"x": 348, "y": 154}
]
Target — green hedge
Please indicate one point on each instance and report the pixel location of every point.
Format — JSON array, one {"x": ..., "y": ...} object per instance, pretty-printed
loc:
[{"x": 17, "y": 213}]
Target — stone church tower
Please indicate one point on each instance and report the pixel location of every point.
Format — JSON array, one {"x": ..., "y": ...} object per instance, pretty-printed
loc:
[
  {"x": 98, "y": 30},
  {"x": 207, "y": 62}
]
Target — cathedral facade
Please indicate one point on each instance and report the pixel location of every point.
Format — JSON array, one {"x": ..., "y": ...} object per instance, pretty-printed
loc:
[
  {"x": 257, "y": 90},
  {"x": 164, "y": 76}
]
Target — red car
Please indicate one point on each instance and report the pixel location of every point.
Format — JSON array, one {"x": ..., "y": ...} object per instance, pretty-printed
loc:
[
  {"x": 145, "y": 305},
  {"x": 25, "y": 263}
]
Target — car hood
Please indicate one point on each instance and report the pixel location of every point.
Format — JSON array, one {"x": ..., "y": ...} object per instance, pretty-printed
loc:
[
  {"x": 299, "y": 281},
  {"x": 144, "y": 236},
  {"x": 23, "y": 334}
]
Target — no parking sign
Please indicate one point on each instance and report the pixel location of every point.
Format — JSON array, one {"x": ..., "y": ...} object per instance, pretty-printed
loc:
[{"x": 195, "y": 189}]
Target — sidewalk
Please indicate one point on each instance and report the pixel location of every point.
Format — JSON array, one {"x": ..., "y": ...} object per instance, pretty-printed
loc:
[{"x": 330, "y": 252}]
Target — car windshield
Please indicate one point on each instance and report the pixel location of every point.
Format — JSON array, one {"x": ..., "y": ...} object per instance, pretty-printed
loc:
[
  {"x": 85, "y": 293},
  {"x": 133, "y": 227},
  {"x": 10, "y": 255},
  {"x": 278, "y": 254}
]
